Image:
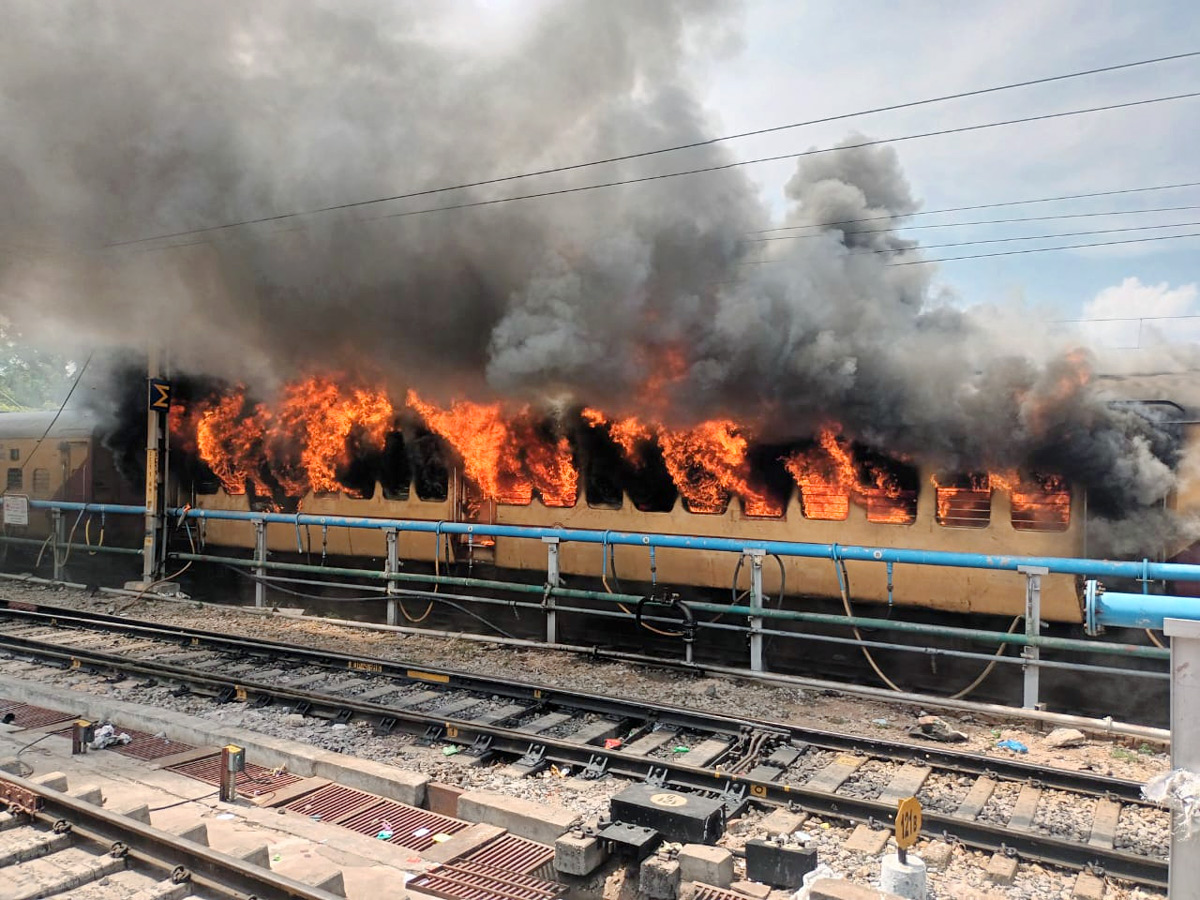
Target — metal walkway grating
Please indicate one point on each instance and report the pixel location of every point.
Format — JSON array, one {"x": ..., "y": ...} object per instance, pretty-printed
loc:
[
  {"x": 477, "y": 881},
  {"x": 410, "y": 827},
  {"x": 149, "y": 746},
  {"x": 332, "y": 803},
  {"x": 143, "y": 746},
  {"x": 515, "y": 854},
  {"x": 25, "y": 716},
  {"x": 254, "y": 782}
]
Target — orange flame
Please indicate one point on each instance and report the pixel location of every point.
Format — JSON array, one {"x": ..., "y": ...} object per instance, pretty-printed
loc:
[
  {"x": 505, "y": 460},
  {"x": 231, "y": 447},
  {"x": 829, "y": 478},
  {"x": 966, "y": 503},
  {"x": 1041, "y": 503},
  {"x": 708, "y": 464},
  {"x": 627, "y": 433},
  {"x": 303, "y": 444},
  {"x": 324, "y": 416}
]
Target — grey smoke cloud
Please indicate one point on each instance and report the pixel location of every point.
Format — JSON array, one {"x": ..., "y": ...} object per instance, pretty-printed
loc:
[{"x": 124, "y": 120}]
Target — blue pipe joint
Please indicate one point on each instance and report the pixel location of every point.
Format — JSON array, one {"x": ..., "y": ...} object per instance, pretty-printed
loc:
[{"x": 1114, "y": 609}]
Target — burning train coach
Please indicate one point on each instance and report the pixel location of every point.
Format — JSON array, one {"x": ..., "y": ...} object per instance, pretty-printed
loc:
[{"x": 327, "y": 447}]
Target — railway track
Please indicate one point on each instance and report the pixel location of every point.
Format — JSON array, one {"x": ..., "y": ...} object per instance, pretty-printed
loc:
[
  {"x": 55, "y": 845},
  {"x": 985, "y": 803}
]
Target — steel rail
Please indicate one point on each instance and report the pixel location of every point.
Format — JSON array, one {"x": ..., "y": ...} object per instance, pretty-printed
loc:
[
  {"x": 944, "y": 758},
  {"x": 202, "y": 865},
  {"x": 513, "y": 743}
]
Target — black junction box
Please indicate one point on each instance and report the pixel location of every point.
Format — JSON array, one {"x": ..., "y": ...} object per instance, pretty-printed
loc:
[
  {"x": 685, "y": 818},
  {"x": 630, "y": 841},
  {"x": 781, "y": 867}
]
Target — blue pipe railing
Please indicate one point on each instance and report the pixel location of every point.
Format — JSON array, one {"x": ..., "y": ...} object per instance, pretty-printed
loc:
[
  {"x": 1143, "y": 570},
  {"x": 1114, "y": 609},
  {"x": 114, "y": 508},
  {"x": 1060, "y": 565}
]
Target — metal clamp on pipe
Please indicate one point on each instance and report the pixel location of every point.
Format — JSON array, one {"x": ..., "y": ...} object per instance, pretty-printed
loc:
[
  {"x": 687, "y": 629},
  {"x": 1115, "y": 609}
]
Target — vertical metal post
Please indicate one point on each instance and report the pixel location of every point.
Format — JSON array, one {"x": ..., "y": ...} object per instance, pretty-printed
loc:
[
  {"x": 59, "y": 542},
  {"x": 390, "y": 567},
  {"x": 82, "y": 734},
  {"x": 552, "y": 576},
  {"x": 756, "y": 605},
  {"x": 233, "y": 761},
  {"x": 1033, "y": 628},
  {"x": 150, "y": 570},
  {"x": 1184, "y": 877},
  {"x": 260, "y": 556}
]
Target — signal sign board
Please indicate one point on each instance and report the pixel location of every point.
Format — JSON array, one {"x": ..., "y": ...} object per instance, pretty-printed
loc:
[
  {"x": 908, "y": 822},
  {"x": 160, "y": 395}
]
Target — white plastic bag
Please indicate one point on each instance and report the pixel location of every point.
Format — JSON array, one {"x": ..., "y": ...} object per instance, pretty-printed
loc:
[
  {"x": 821, "y": 871},
  {"x": 1179, "y": 791},
  {"x": 106, "y": 736}
]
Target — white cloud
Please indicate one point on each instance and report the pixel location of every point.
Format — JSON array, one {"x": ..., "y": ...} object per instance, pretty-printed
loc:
[
  {"x": 1130, "y": 316},
  {"x": 1132, "y": 299}
]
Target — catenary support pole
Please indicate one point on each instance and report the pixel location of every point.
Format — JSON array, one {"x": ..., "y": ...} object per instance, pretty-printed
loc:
[
  {"x": 390, "y": 567},
  {"x": 552, "y": 579},
  {"x": 260, "y": 556},
  {"x": 1033, "y": 629},
  {"x": 1184, "y": 879},
  {"x": 60, "y": 544},
  {"x": 150, "y": 570},
  {"x": 756, "y": 606}
]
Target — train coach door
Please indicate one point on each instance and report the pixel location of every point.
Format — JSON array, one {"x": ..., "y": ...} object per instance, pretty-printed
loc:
[{"x": 76, "y": 463}]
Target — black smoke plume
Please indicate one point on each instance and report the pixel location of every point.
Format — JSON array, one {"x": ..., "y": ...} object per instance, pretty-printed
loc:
[{"x": 126, "y": 120}]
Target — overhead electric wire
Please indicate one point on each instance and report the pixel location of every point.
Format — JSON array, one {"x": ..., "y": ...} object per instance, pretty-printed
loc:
[
  {"x": 1147, "y": 240},
  {"x": 1032, "y": 237},
  {"x": 661, "y": 150},
  {"x": 816, "y": 151},
  {"x": 1081, "y": 215},
  {"x": 61, "y": 407},
  {"x": 950, "y": 209},
  {"x": 1002, "y": 240}
]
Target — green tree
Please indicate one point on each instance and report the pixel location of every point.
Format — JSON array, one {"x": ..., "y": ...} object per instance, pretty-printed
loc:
[{"x": 30, "y": 377}]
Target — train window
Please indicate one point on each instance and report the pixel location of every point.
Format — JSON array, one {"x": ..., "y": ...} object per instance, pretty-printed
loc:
[
  {"x": 16, "y": 479},
  {"x": 899, "y": 508},
  {"x": 829, "y": 505},
  {"x": 41, "y": 482},
  {"x": 964, "y": 501},
  {"x": 1042, "y": 503},
  {"x": 14, "y": 453},
  {"x": 395, "y": 471}
]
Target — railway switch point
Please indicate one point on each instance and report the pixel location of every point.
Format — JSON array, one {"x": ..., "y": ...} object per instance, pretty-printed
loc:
[{"x": 905, "y": 879}]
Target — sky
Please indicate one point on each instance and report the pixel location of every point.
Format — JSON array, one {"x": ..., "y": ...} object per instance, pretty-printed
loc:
[
  {"x": 786, "y": 62},
  {"x": 801, "y": 61},
  {"x": 781, "y": 61}
]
